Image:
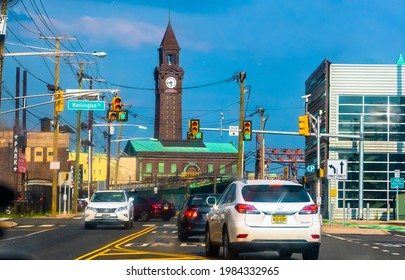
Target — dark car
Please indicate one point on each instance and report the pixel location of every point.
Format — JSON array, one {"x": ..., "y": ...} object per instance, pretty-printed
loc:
[
  {"x": 81, "y": 205},
  {"x": 191, "y": 218},
  {"x": 146, "y": 208}
]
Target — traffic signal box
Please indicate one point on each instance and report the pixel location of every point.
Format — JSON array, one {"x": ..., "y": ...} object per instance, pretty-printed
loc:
[
  {"x": 247, "y": 130},
  {"x": 117, "y": 113},
  {"x": 59, "y": 100},
  {"x": 303, "y": 125},
  {"x": 194, "y": 132}
]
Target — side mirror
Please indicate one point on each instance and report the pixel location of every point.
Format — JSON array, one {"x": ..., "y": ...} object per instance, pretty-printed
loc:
[{"x": 211, "y": 200}]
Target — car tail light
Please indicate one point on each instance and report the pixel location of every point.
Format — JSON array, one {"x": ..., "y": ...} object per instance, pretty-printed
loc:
[
  {"x": 155, "y": 205},
  {"x": 191, "y": 213},
  {"x": 246, "y": 209},
  {"x": 309, "y": 209}
]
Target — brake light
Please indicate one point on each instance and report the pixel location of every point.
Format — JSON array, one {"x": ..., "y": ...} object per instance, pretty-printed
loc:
[
  {"x": 246, "y": 209},
  {"x": 191, "y": 213},
  {"x": 155, "y": 205},
  {"x": 309, "y": 209}
]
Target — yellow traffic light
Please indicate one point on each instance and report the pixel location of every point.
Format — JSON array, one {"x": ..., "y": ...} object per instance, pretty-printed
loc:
[
  {"x": 59, "y": 100},
  {"x": 194, "y": 132},
  {"x": 116, "y": 104},
  {"x": 247, "y": 130},
  {"x": 320, "y": 173},
  {"x": 303, "y": 125},
  {"x": 112, "y": 115}
]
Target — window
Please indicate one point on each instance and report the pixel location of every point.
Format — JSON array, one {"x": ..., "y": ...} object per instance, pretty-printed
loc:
[
  {"x": 38, "y": 154},
  {"x": 161, "y": 167},
  {"x": 222, "y": 169},
  {"x": 173, "y": 168},
  {"x": 210, "y": 168},
  {"x": 148, "y": 167}
]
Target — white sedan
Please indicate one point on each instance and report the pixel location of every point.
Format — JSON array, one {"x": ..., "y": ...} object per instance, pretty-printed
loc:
[
  {"x": 263, "y": 215},
  {"x": 109, "y": 207}
]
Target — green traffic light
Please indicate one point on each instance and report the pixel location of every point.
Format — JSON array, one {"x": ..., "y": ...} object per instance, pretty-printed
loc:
[{"x": 123, "y": 116}]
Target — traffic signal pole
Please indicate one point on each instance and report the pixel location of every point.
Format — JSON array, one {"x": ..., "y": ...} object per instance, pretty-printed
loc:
[{"x": 242, "y": 76}]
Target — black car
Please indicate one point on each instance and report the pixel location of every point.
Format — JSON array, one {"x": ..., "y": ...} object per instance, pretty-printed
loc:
[
  {"x": 146, "y": 208},
  {"x": 191, "y": 218}
]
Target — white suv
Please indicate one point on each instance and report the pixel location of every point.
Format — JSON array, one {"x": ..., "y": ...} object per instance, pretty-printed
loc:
[
  {"x": 109, "y": 207},
  {"x": 263, "y": 215}
]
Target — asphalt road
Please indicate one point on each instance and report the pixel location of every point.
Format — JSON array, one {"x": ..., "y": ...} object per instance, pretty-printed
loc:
[{"x": 66, "y": 239}]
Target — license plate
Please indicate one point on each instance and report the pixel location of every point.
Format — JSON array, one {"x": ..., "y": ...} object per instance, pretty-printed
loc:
[
  {"x": 279, "y": 219},
  {"x": 106, "y": 216},
  {"x": 166, "y": 207}
]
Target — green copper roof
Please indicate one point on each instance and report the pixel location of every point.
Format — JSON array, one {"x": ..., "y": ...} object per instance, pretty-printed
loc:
[{"x": 181, "y": 147}]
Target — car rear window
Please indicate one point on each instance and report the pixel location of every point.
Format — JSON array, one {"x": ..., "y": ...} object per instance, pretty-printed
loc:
[{"x": 268, "y": 193}]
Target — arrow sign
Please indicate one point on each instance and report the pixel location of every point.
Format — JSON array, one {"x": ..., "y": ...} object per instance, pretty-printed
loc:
[{"x": 337, "y": 169}]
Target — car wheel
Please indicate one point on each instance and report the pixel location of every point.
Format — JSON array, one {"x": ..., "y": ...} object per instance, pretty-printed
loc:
[
  {"x": 284, "y": 254},
  {"x": 211, "y": 251},
  {"x": 182, "y": 236},
  {"x": 311, "y": 253},
  {"x": 144, "y": 216},
  {"x": 128, "y": 225},
  {"x": 229, "y": 254}
]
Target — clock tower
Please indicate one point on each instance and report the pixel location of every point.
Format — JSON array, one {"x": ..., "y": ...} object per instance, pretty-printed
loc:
[{"x": 168, "y": 89}]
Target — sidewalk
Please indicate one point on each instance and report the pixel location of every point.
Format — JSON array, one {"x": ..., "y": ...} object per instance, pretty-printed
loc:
[{"x": 363, "y": 227}]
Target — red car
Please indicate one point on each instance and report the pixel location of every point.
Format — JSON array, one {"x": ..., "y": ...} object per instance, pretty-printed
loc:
[{"x": 146, "y": 208}]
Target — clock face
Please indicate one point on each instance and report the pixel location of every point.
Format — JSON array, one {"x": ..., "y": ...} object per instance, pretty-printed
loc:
[{"x": 170, "y": 82}]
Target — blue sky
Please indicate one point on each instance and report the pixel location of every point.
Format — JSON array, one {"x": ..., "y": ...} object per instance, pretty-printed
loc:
[{"x": 277, "y": 43}]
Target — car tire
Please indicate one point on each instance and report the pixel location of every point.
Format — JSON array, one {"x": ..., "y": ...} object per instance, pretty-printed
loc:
[
  {"x": 311, "y": 253},
  {"x": 229, "y": 253},
  {"x": 182, "y": 236},
  {"x": 128, "y": 225},
  {"x": 144, "y": 216},
  {"x": 211, "y": 250},
  {"x": 284, "y": 254}
]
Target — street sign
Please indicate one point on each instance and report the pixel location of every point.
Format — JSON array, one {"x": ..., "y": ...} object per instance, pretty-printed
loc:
[
  {"x": 397, "y": 183},
  {"x": 233, "y": 130},
  {"x": 86, "y": 105},
  {"x": 397, "y": 173},
  {"x": 310, "y": 168},
  {"x": 337, "y": 169}
]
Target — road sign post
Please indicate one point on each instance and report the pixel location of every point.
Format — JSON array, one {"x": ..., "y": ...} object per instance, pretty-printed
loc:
[{"x": 397, "y": 183}]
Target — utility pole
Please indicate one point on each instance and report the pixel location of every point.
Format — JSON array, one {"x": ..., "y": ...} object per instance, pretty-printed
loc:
[
  {"x": 78, "y": 146},
  {"x": 241, "y": 79},
  {"x": 118, "y": 157},
  {"x": 107, "y": 180},
  {"x": 3, "y": 21},
  {"x": 55, "y": 126}
]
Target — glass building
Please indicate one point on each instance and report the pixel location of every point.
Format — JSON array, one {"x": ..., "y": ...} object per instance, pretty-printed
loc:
[{"x": 345, "y": 93}]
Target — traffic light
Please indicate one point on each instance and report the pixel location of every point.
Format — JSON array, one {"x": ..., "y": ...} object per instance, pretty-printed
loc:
[
  {"x": 303, "y": 125},
  {"x": 320, "y": 173},
  {"x": 112, "y": 115},
  {"x": 116, "y": 104},
  {"x": 122, "y": 116},
  {"x": 194, "y": 132},
  {"x": 247, "y": 130},
  {"x": 59, "y": 103}
]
